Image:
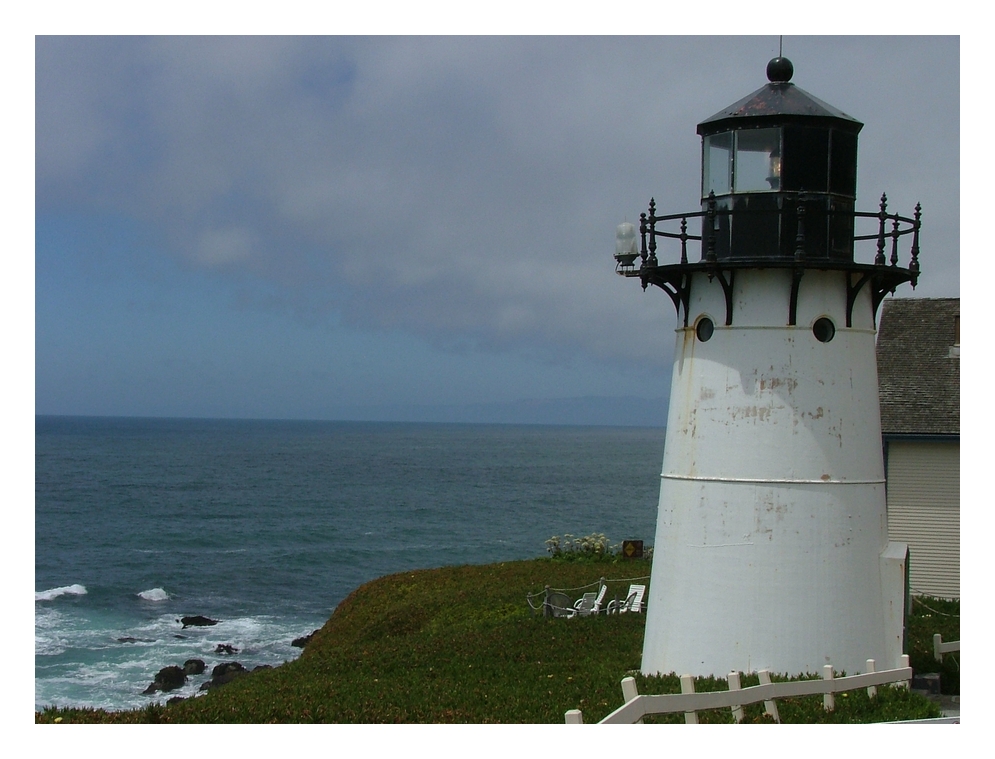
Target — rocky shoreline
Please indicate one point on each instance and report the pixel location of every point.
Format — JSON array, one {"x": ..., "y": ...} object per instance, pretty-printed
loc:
[{"x": 172, "y": 677}]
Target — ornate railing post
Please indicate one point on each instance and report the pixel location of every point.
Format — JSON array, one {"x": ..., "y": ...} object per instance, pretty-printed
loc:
[
  {"x": 914, "y": 265},
  {"x": 710, "y": 216},
  {"x": 879, "y": 259},
  {"x": 684, "y": 240},
  {"x": 800, "y": 235},
  {"x": 642, "y": 236},
  {"x": 652, "y": 221}
]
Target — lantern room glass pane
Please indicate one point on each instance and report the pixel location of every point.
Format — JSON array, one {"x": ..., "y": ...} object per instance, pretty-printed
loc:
[
  {"x": 843, "y": 175},
  {"x": 757, "y": 163},
  {"x": 806, "y": 159},
  {"x": 717, "y": 164}
]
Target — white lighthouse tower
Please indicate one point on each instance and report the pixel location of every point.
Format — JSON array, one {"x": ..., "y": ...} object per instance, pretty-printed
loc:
[{"x": 772, "y": 545}]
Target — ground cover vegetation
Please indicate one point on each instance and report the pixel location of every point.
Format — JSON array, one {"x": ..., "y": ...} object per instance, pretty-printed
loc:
[{"x": 462, "y": 645}]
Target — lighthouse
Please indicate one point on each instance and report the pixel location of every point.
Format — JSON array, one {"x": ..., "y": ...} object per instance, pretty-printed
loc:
[{"x": 772, "y": 547}]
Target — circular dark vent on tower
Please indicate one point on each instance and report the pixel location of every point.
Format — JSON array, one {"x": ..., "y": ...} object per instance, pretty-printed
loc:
[
  {"x": 824, "y": 330},
  {"x": 704, "y": 329}
]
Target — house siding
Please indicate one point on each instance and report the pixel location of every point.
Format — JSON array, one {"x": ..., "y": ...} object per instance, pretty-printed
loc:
[{"x": 924, "y": 511}]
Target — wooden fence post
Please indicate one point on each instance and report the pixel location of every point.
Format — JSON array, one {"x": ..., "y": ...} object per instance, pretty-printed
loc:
[
  {"x": 873, "y": 690},
  {"x": 573, "y": 717},
  {"x": 905, "y": 663},
  {"x": 737, "y": 697},
  {"x": 630, "y": 692},
  {"x": 734, "y": 684},
  {"x": 940, "y": 648},
  {"x": 769, "y": 706},
  {"x": 547, "y": 610},
  {"x": 687, "y": 686},
  {"x": 828, "y": 699}
]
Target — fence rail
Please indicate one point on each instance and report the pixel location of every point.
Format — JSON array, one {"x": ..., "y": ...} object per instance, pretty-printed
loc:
[
  {"x": 940, "y": 648},
  {"x": 637, "y": 706}
]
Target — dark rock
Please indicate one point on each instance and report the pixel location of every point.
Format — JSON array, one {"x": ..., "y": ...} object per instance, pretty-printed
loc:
[
  {"x": 225, "y": 668},
  {"x": 225, "y": 648},
  {"x": 174, "y": 700},
  {"x": 262, "y": 666},
  {"x": 129, "y": 639},
  {"x": 194, "y": 666},
  {"x": 167, "y": 679},
  {"x": 224, "y": 673},
  {"x": 303, "y": 640},
  {"x": 197, "y": 621}
]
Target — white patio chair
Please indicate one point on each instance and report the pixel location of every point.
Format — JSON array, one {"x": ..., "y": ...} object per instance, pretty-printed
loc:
[
  {"x": 590, "y": 603},
  {"x": 633, "y": 601}
]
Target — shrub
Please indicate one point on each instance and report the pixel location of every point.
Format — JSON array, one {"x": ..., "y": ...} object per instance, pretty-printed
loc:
[
  {"x": 929, "y": 616},
  {"x": 594, "y": 547}
]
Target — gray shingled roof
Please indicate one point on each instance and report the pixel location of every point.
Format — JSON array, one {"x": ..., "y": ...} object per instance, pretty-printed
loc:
[{"x": 918, "y": 377}]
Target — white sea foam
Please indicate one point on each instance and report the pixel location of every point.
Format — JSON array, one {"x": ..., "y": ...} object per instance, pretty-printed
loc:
[
  {"x": 106, "y": 673},
  {"x": 154, "y": 594},
  {"x": 50, "y": 631},
  {"x": 71, "y": 590}
]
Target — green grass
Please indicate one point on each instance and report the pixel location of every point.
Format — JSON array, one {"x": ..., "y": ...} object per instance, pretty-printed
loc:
[{"x": 460, "y": 645}]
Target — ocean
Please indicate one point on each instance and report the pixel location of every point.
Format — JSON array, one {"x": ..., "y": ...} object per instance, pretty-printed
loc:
[{"x": 265, "y": 526}]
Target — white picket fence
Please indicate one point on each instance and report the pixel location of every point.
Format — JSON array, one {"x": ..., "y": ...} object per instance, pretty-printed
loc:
[
  {"x": 940, "y": 648},
  {"x": 637, "y": 706}
]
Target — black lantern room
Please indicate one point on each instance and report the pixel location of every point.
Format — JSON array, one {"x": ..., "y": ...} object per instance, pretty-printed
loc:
[
  {"x": 778, "y": 190},
  {"x": 775, "y": 153}
]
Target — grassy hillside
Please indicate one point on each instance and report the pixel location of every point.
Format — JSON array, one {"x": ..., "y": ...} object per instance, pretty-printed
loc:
[{"x": 460, "y": 644}]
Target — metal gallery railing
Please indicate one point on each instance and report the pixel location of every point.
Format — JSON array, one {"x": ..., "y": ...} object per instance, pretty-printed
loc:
[{"x": 891, "y": 227}]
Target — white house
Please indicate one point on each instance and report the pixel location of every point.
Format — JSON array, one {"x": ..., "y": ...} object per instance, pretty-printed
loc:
[{"x": 918, "y": 355}]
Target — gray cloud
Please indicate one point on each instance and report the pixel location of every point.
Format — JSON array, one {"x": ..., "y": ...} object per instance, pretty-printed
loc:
[{"x": 462, "y": 189}]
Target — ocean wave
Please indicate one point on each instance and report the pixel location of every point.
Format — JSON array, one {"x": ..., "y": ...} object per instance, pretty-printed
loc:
[
  {"x": 49, "y": 646},
  {"x": 95, "y": 669},
  {"x": 154, "y": 594},
  {"x": 70, "y": 590}
]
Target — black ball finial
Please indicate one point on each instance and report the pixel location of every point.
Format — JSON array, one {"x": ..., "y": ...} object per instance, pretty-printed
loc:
[{"x": 779, "y": 70}]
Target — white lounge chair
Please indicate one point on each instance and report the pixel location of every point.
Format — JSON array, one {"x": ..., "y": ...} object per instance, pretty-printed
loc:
[
  {"x": 590, "y": 603},
  {"x": 633, "y": 601}
]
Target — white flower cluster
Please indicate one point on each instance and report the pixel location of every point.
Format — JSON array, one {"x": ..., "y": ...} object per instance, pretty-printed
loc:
[{"x": 589, "y": 545}]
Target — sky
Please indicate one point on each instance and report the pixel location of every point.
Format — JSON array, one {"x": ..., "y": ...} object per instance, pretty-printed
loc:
[{"x": 412, "y": 227}]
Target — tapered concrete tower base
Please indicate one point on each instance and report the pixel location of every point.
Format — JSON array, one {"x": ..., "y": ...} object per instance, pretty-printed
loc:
[{"x": 772, "y": 547}]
